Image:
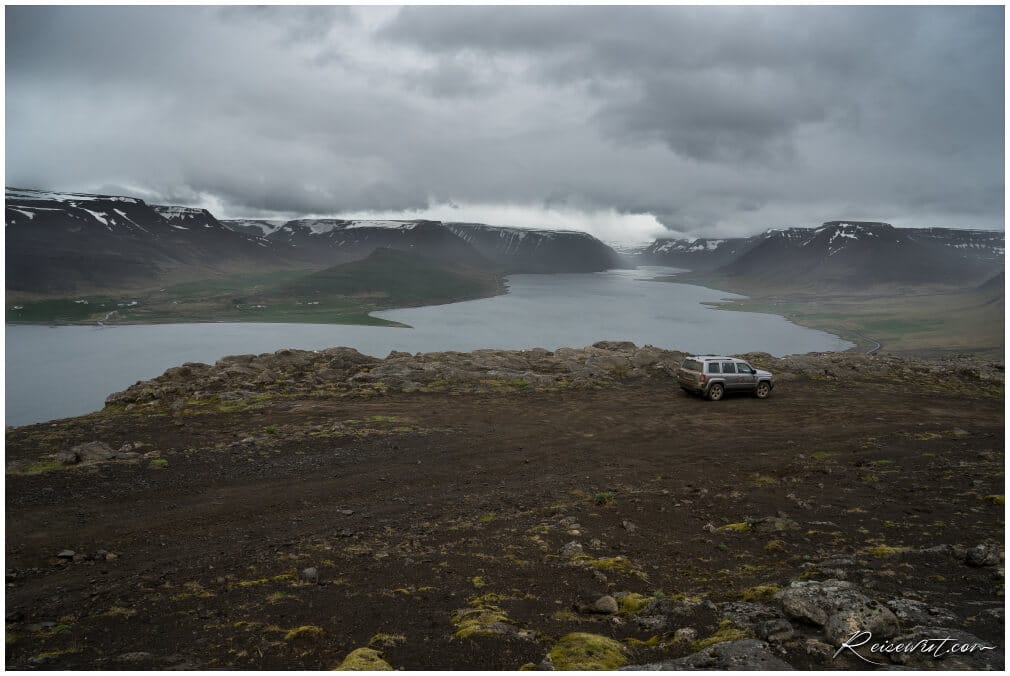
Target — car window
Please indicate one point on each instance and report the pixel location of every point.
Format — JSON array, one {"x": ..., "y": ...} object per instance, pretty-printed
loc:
[
  {"x": 713, "y": 367},
  {"x": 691, "y": 365},
  {"x": 744, "y": 368},
  {"x": 729, "y": 368}
]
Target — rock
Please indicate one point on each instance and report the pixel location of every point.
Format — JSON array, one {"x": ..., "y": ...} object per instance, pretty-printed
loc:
[
  {"x": 685, "y": 635},
  {"x": 975, "y": 660},
  {"x": 605, "y": 605},
  {"x": 743, "y": 655},
  {"x": 345, "y": 512},
  {"x": 774, "y": 631},
  {"x": 818, "y": 649},
  {"x": 67, "y": 457},
  {"x": 311, "y": 575},
  {"x": 66, "y": 554},
  {"x": 94, "y": 451},
  {"x": 772, "y": 524},
  {"x": 983, "y": 555},
  {"x": 628, "y": 526},
  {"x": 912, "y": 613},
  {"x": 839, "y": 608},
  {"x": 571, "y": 550},
  {"x": 134, "y": 657}
]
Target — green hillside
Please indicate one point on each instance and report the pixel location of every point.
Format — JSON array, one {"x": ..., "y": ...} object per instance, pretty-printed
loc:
[{"x": 396, "y": 278}]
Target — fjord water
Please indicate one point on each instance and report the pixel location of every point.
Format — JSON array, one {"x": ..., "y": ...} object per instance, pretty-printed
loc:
[{"x": 56, "y": 372}]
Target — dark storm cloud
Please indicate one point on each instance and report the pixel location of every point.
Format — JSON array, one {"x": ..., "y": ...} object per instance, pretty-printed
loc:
[{"x": 711, "y": 120}]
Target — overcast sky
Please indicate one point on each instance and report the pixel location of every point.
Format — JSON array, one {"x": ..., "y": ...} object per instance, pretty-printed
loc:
[{"x": 626, "y": 122}]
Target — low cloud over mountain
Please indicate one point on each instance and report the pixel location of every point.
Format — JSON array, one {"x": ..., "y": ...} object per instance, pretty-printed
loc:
[{"x": 692, "y": 121}]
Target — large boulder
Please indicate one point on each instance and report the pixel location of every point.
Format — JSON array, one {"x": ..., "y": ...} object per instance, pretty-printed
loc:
[
  {"x": 94, "y": 451},
  {"x": 839, "y": 608}
]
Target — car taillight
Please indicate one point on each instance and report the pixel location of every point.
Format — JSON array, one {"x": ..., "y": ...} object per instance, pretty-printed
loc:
[{"x": 701, "y": 378}]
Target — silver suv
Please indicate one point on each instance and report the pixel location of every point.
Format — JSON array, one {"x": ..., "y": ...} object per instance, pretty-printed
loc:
[{"x": 712, "y": 377}]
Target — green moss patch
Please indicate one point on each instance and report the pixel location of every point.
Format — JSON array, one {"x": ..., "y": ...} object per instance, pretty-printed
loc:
[
  {"x": 478, "y": 621},
  {"x": 761, "y": 592},
  {"x": 886, "y": 550},
  {"x": 741, "y": 527},
  {"x": 587, "y": 652},
  {"x": 615, "y": 564},
  {"x": 306, "y": 631},
  {"x": 632, "y": 604},
  {"x": 725, "y": 632},
  {"x": 364, "y": 659}
]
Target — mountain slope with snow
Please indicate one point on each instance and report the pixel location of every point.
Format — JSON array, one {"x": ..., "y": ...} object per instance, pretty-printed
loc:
[
  {"x": 62, "y": 242},
  {"x": 852, "y": 254}
]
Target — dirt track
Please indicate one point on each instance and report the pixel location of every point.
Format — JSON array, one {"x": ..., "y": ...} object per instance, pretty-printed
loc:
[{"x": 415, "y": 506}]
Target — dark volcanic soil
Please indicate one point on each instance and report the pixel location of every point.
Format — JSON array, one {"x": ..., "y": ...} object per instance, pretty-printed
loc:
[{"x": 413, "y": 507}]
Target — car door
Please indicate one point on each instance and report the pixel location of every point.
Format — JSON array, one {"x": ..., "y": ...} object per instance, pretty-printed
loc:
[
  {"x": 746, "y": 376},
  {"x": 730, "y": 375}
]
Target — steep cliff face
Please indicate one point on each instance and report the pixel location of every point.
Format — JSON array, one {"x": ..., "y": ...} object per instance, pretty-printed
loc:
[{"x": 538, "y": 251}]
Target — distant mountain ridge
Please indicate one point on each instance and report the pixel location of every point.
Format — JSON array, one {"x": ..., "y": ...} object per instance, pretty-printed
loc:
[
  {"x": 538, "y": 251},
  {"x": 64, "y": 241},
  {"x": 72, "y": 242},
  {"x": 843, "y": 254}
]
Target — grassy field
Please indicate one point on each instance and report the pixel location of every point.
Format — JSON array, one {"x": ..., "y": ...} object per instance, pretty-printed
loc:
[
  {"x": 344, "y": 294},
  {"x": 916, "y": 321}
]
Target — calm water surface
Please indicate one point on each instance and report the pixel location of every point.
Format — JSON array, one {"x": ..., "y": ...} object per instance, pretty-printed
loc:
[{"x": 67, "y": 371}]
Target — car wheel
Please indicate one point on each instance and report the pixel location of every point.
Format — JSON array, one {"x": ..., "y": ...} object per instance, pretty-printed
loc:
[
  {"x": 715, "y": 392},
  {"x": 763, "y": 390}
]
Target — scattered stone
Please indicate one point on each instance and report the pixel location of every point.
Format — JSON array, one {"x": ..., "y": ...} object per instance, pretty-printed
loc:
[
  {"x": 571, "y": 550},
  {"x": 685, "y": 635},
  {"x": 743, "y": 655},
  {"x": 345, "y": 512},
  {"x": 772, "y": 524},
  {"x": 839, "y": 608},
  {"x": 628, "y": 526},
  {"x": 774, "y": 631},
  {"x": 976, "y": 660},
  {"x": 67, "y": 457},
  {"x": 912, "y": 613},
  {"x": 818, "y": 649},
  {"x": 94, "y": 451},
  {"x": 139, "y": 656},
  {"x": 311, "y": 575},
  {"x": 605, "y": 605},
  {"x": 983, "y": 555},
  {"x": 66, "y": 554}
]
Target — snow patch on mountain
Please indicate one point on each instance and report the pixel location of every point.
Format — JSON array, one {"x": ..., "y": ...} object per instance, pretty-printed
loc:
[{"x": 47, "y": 195}]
